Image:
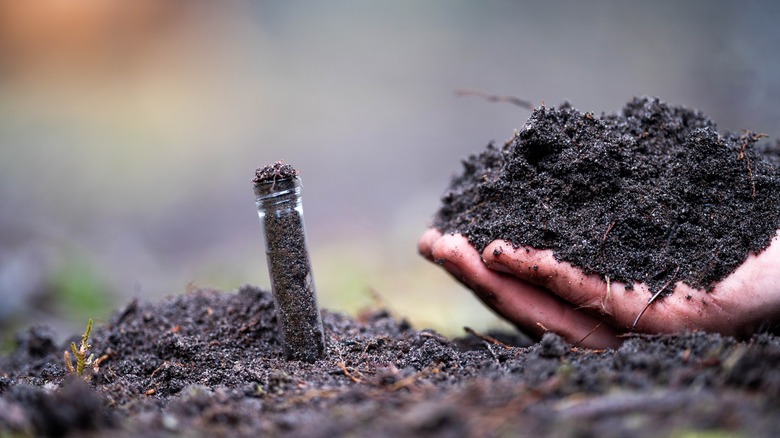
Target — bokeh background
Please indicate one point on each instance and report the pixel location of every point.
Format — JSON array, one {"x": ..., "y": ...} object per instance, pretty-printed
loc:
[{"x": 130, "y": 131}]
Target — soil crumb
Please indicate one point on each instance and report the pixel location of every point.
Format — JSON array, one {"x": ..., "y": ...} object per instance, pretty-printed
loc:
[
  {"x": 208, "y": 363},
  {"x": 273, "y": 172},
  {"x": 645, "y": 195}
]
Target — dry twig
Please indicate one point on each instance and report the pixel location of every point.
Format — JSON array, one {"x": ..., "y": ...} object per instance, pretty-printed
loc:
[
  {"x": 576, "y": 344},
  {"x": 609, "y": 228},
  {"x": 749, "y": 138},
  {"x": 486, "y": 338},
  {"x": 607, "y": 295},
  {"x": 656, "y": 295},
  {"x": 343, "y": 367},
  {"x": 496, "y": 98}
]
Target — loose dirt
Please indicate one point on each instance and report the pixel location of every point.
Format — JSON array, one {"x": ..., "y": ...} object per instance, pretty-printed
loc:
[
  {"x": 594, "y": 189},
  {"x": 645, "y": 195},
  {"x": 208, "y": 363}
]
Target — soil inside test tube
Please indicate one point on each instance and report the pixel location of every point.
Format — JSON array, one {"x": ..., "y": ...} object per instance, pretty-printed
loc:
[
  {"x": 289, "y": 263},
  {"x": 290, "y": 269}
]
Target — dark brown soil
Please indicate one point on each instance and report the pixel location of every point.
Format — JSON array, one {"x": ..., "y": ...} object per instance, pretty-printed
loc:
[
  {"x": 275, "y": 171},
  {"x": 640, "y": 196},
  {"x": 280, "y": 208},
  {"x": 208, "y": 363}
]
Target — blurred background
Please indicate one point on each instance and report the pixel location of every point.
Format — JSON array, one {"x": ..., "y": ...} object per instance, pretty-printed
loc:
[{"x": 130, "y": 131}]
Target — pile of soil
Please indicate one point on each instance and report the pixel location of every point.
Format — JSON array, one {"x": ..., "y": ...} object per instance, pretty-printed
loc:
[
  {"x": 641, "y": 196},
  {"x": 634, "y": 196},
  {"x": 208, "y": 363}
]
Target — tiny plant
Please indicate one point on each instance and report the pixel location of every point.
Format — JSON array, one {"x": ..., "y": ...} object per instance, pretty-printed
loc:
[{"x": 80, "y": 353}]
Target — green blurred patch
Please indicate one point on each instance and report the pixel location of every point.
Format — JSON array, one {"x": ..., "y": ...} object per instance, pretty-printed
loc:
[
  {"x": 7, "y": 344},
  {"x": 80, "y": 292}
]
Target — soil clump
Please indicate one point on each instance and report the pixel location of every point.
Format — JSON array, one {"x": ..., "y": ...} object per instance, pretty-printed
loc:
[
  {"x": 645, "y": 195},
  {"x": 209, "y": 363}
]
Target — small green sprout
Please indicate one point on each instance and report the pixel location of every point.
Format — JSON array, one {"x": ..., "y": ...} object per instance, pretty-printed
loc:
[{"x": 80, "y": 353}]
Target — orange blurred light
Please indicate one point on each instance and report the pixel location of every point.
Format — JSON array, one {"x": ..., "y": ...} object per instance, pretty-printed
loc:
[{"x": 78, "y": 34}]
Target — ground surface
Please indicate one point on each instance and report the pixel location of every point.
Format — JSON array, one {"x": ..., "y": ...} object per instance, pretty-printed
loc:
[
  {"x": 630, "y": 195},
  {"x": 207, "y": 363}
]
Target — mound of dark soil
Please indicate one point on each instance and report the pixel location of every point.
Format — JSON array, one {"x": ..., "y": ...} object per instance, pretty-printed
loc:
[
  {"x": 638, "y": 196},
  {"x": 208, "y": 363}
]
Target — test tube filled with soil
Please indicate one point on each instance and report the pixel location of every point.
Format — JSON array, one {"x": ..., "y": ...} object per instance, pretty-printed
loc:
[{"x": 278, "y": 198}]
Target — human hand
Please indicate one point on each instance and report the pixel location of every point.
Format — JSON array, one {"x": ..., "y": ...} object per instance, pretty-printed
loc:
[{"x": 537, "y": 293}]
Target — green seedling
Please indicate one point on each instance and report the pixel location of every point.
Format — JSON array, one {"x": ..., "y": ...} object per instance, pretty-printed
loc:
[{"x": 80, "y": 353}]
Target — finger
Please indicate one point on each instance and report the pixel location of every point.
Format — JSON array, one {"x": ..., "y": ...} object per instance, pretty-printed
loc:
[
  {"x": 632, "y": 309},
  {"x": 425, "y": 244},
  {"x": 739, "y": 305},
  {"x": 540, "y": 267},
  {"x": 750, "y": 295},
  {"x": 531, "y": 308}
]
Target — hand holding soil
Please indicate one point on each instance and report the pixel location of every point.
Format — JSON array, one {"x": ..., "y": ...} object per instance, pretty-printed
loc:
[
  {"x": 534, "y": 291},
  {"x": 648, "y": 220}
]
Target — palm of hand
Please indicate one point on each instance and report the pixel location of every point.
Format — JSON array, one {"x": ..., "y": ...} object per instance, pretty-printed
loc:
[{"x": 536, "y": 292}]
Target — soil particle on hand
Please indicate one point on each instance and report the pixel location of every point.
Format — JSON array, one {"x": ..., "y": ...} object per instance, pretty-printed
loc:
[
  {"x": 649, "y": 194},
  {"x": 208, "y": 363}
]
